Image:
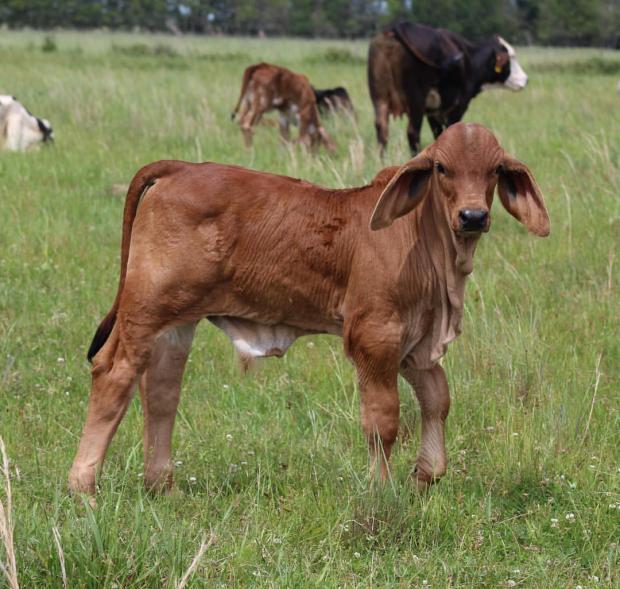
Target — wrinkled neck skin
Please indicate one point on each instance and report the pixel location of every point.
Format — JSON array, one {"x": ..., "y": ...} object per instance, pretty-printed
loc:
[
  {"x": 451, "y": 260},
  {"x": 453, "y": 256}
]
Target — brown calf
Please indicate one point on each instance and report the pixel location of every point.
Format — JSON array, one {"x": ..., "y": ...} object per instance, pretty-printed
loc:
[
  {"x": 267, "y": 87},
  {"x": 268, "y": 259}
]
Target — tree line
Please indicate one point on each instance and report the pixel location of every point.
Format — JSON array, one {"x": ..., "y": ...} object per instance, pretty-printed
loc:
[{"x": 551, "y": 22}]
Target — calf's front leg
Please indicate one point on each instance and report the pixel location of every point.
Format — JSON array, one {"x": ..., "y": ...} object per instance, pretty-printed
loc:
[
  {"x": 431, "y": 389},
  {"x": 375, "y": 355}
]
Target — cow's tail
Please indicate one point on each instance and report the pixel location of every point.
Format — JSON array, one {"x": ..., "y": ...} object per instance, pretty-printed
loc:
[
  {"x": 247, "y": 76},
  {"x": 142, "y": 181}
]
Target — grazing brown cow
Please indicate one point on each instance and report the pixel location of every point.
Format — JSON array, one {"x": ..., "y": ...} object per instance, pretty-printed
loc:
[
  {"x": 269, "y": 258},
  {"x": 416, "y": 70},
  {"x": 267, "y": 87}
]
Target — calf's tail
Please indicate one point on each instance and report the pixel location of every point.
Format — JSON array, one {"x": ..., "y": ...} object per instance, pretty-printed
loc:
[{"x": 143, "y": 180}]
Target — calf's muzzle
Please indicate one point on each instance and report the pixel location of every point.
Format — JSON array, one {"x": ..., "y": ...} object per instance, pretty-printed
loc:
[{"x": 473, "y": 220}]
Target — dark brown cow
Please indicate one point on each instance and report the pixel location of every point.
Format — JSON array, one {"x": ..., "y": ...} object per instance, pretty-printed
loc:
[
  {"x": 416, "y": 70},
  {"x": 268, "y": 87},
  {"x": 269, "y": 259}
]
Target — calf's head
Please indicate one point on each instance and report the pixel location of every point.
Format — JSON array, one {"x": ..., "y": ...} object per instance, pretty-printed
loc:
[{"x": 457, "y": 176}]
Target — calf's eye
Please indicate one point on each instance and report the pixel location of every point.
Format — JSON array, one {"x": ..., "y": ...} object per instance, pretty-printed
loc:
[
  {"x": 440, "y": 168},
  {"x": 499, "y": 169}
]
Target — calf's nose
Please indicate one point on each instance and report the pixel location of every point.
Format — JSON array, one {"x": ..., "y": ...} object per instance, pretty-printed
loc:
[{"x": 473, "y": 219}]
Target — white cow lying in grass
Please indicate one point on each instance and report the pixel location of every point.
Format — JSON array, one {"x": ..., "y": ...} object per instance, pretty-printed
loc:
[{"x": 19, "y": 129}]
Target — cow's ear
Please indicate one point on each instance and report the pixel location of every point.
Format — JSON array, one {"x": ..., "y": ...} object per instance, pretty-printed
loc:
[
  {"x": 404, "y": 192},
  {"x": 501, "y": 59},
  {"x": 521, "y": 196}
]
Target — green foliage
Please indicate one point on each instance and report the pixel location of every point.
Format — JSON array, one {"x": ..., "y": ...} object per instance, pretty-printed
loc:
[
  {"x": 145, "y": 50},
  {"x": 337, "y": 55},
  {"x": 563, "y": 22},
  {"x": 568, "y": 22},
  {"x": 595, "y": 65},
  {"x": 49, "y": 44}
]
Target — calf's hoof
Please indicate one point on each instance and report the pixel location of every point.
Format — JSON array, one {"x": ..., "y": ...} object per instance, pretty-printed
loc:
[
  {"x": 161, "y": 484},
  {"x": 423, "y": 479},
  {"x": 82, "y": 481}
]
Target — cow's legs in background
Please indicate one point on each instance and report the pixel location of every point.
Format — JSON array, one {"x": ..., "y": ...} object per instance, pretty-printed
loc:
[
  {"x": 246, "y": 129},
  {"x": 376, "y": 362},
  {"x": 413, "y": 130},
  {"x": 115, "y": 372},
  {"x": 251, "y": 117},
  {"x": 436, "y": 126},
  {"x": 13, "y": 134},
  {"x": 382, "y": 125},
  {"x": 244, "y": 107},
  {"x": 160, "y": 389},
  {"x": 284, "y": 121},
  {"x": 431, "y": 389}
]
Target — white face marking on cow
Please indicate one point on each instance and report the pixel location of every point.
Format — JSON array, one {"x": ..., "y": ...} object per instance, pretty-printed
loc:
[{"x": 517, "y": 80}]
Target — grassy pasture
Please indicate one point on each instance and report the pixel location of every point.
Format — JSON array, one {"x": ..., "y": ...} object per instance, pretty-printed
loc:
[{"x": 274, "y": 464}]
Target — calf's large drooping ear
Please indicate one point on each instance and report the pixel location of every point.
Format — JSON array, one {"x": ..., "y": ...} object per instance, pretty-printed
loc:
[
  {"x": 404, "y": 192},
  {"x": 521, "y": 196}
]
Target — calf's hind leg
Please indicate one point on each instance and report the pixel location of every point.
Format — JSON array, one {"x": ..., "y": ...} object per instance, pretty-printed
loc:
[
  {"x": 160, "y": 389},
  {"x": 115, "y": 372}
]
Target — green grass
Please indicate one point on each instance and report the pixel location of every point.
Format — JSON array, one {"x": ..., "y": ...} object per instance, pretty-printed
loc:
[{"x": 275, "y": 464}]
